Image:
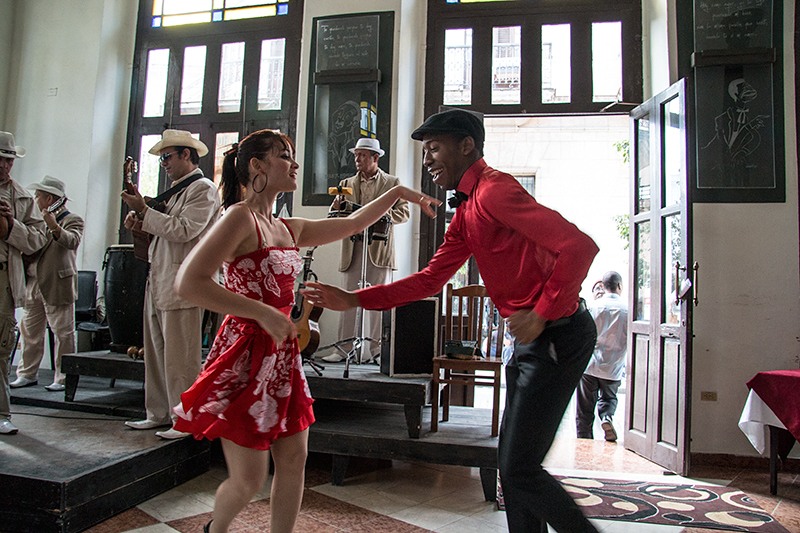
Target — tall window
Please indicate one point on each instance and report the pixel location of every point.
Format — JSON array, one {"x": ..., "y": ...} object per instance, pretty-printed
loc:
[
  {"x": 508, "y": 57},
  {"x": 220, "y": 69}
]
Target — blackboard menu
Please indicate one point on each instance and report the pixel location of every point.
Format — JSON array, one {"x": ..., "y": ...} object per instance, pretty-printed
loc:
[
  {"x": 347, "y": 43},
  {"x": 732, "y": 24}
]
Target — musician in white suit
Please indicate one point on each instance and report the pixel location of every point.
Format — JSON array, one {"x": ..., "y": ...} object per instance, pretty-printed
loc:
[
  {"x": 51, "y": 287},
  {"x": 368, "y": 183},
  {"x": 172, "y": 326}
]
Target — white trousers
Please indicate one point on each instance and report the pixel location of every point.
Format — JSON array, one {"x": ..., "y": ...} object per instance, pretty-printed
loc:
[
  {"x": 8, "y": 335},
  {"x": 372, "y": 319},
  {"x": 172, "y": 354},
  {"x": 35, "y": 318}
]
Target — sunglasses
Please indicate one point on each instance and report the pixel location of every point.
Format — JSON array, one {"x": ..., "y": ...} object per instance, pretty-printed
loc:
[{"x": 163, "y": 158}]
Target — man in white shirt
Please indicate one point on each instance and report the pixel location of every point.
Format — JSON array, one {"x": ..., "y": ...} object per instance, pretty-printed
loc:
[
  {"x": 603, "y": 375},
  {"x": 172, "y": 325}
]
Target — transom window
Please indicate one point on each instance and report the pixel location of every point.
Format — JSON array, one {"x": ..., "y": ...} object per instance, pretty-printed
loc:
[{"x": 181, "y": 12}]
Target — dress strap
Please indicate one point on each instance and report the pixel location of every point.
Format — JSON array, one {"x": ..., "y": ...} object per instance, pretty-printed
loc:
[
  {"x": 258, "y": 229},
  {"x": 290, "y": 232}
]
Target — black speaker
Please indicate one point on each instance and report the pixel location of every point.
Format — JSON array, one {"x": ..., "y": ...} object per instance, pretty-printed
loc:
[{"x": 409, "y": 338}]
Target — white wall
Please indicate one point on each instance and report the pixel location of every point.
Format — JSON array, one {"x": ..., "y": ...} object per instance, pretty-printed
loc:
[
  {"x": 67, "y": 104},
  {"x": 748, "y": 317},
  {"x": 6, "y": 44},
  {"x": 407, "y": 95}
]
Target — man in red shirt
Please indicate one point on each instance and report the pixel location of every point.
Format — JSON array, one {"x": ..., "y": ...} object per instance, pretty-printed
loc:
[{"x": 532, "y": 262}]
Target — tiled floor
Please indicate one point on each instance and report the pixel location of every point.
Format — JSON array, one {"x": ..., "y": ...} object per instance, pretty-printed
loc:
[{"x": 397, "y": 497}]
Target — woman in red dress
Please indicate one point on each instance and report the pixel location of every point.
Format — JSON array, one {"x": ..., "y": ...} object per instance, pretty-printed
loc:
[{"x": 252, "y": 393}]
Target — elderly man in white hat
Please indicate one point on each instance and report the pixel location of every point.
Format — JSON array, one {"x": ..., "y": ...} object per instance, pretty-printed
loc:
[
  {"x": 368, "y": 183},
  {"x": 21, "y": 232},
  {"x": 52, "y": 285},
  {"x": 172, "y": 326}
]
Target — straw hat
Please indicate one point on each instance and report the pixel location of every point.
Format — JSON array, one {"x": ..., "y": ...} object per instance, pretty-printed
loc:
[
  {"x": 368, "y": 144},
  {"x": 179, "y": 138},
  {"x": 7, "y": 147}
]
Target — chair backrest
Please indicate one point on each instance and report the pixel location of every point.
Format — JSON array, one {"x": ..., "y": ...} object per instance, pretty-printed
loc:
[
  {"x": 86, "y": 304},
  {"x": 473, "y": 319}
]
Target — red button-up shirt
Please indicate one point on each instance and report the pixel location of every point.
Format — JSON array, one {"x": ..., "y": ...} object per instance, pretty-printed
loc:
[{"x": 529, "y": 256}]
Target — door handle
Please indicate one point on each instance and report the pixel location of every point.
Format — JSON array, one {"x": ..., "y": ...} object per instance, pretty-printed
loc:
[{"x": 695, "y": 268}]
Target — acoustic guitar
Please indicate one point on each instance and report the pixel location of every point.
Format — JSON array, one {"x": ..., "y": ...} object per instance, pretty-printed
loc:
[
  {"x": 304, "y": 314},
  {"x": 141, "y": 239}
]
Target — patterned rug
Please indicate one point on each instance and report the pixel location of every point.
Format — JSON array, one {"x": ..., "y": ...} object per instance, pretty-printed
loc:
[{"x": 701, "y": 506}]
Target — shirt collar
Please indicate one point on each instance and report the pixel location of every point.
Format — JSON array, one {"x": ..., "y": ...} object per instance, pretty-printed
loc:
[
  {"x": 364, "y": 178},
  {"x": 470, "y": 178}
]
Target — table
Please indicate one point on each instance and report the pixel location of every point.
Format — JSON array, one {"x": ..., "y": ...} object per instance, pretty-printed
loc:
[{"x": 769, "y": 410}]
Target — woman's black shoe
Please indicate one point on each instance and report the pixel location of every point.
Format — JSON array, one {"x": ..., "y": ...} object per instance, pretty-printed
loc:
[{"x": 207, "y": 526}]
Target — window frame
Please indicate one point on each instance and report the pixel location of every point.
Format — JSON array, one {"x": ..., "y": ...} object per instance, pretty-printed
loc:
[
  {"x": 530, "y": 15},
  {"x": 210, "y": 121}
]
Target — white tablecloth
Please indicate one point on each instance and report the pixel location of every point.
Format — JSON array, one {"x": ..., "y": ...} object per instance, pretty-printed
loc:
[{"x": 756, "y": 416}]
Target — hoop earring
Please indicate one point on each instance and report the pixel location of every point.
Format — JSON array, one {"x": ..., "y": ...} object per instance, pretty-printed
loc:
[{"x": 262, "y": 188}]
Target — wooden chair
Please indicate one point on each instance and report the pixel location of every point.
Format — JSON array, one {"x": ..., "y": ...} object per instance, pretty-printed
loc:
[{"x": 471, "y": 322}]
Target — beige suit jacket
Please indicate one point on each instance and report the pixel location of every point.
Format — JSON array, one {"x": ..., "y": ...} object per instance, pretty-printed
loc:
[
  {"x": 26, "y": 237},
  {"x": 381, "y": 253},
  {"x": 189, "y": 215},
  {"x": 55, "y": 268}
]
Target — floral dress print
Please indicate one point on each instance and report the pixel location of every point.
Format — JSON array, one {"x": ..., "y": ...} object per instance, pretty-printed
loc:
[{"x": 250, "y": 391}]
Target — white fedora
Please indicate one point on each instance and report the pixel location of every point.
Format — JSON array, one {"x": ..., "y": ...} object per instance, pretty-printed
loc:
[
  {"x": 368, "y": 144},
  {"x": 7, "y": 147},
  {"x": 179, "y": 138},
  {"x": 50, "y": 185}
]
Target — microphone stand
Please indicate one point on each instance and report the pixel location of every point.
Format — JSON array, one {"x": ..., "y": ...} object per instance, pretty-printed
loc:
[{"x": 356, "y": 353}]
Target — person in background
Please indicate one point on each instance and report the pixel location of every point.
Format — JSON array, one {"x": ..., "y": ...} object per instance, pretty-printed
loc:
[
  {"x": 52, "y": 286},
  {"x": 602, "y": 377},
  {"x": 21, "y": 232},
  {"x": 369, "y": 183},
  {"x": 252, "y": 393},
  {"x": 533, "y": 263},
  {"x": 172, "y": 325}
]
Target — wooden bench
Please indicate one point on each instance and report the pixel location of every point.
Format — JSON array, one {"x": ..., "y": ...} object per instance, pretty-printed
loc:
[{"x": 102, "y": 364}]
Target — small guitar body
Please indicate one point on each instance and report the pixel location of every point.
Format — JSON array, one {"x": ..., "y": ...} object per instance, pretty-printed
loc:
[
  {"x": 304, "y": 314},
  {"x": 141, "y": 239}
]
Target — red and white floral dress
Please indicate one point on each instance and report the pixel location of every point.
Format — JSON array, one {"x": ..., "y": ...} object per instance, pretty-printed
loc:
[{"x": 250, "y": 391}]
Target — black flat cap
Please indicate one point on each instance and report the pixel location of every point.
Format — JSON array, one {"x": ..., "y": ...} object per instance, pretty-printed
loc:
[{"x": 455, "y": 121}]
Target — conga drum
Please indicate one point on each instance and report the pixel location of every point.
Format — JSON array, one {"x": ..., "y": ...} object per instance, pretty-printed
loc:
[{"x": 124, "y": 283}]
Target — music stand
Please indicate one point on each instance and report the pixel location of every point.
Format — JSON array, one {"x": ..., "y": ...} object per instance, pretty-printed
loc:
[{"x": 355, "y": 354}]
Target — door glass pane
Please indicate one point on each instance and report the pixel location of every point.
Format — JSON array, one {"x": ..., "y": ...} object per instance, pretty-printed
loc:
[
  {"x": 223, "y": 144},
  {"x": 643, "y": 177},
  {"x": 674, "y": 152},
  {"x": 155, "y": 89},
  {"x": 672, "y": 254},
  {"x": 148, "y": 167},
  {"x": 230, "y": 77},
  {"x": 606, "y": 61},
  {"x": 270, "y": 77},
  {"x": 194, "y": 69},
  {"x": 505, "y": 65},
  {"x": 556, "y": 68},
  {"x": 642, "y": 287},
  {"x": 458, "y": 66}
]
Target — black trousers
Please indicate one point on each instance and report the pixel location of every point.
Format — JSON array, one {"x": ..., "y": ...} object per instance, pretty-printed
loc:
[
  {"x": 540, "y": 380},
  {"x": 594, "y": 392}
]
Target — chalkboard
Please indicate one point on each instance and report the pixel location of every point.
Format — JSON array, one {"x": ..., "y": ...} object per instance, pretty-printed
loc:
[
  {"x": 347, "y": 43},
  {"x": 729, "y": 24}
]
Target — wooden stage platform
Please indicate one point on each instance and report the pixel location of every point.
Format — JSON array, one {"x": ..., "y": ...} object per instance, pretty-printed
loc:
[{"x": 77, "y": 464}]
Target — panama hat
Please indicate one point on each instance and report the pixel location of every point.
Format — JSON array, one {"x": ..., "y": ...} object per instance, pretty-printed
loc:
[
  {"x": 50, "y": 185},
  {"x": 7, "y": 147},
  {"x": 368, "y": 144},
  {"x": 179, "y": 138}
]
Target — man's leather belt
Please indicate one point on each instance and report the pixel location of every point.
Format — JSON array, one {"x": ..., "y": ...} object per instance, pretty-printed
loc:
[{"x": 567, "y": 319}]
